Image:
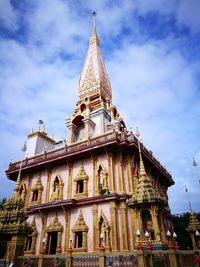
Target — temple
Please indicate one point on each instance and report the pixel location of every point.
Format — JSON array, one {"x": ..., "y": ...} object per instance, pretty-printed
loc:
[{"x": 100, "y": 187}]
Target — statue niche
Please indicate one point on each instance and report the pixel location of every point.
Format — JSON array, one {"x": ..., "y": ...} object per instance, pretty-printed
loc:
[
  {"x": 102, "y": 180},
  {"x": 57, "y": 189},
  {"x": 103, "y": 232},
  {"x": 147, "y": 223}
]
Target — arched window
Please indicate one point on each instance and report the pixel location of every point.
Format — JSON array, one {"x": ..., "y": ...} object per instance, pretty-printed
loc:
[
  {"x": 79, "y": 133},
  {"x": 80, "y": 230},
  {"x": 37, "y": 192},
  {"x": 54, "y": 237},
  {"x": 81, "y": 180},
  {"x": 30, "y": 243}
]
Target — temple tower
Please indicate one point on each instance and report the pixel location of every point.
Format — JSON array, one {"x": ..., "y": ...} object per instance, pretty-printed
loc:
[{"x": 92, "y": 190}]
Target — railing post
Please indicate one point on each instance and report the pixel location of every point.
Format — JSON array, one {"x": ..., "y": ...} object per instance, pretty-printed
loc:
[
  {"x": 40, "y": 260},
  {"x": 173, "y": 259},
  {"x": 102, "y": 258},
  {"x": 141, "y": 260},
  {"x": 69, "y": 259}
]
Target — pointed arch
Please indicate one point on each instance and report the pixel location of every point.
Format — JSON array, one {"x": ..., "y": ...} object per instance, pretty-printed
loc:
[
  {"x": 81, "y": 181},
  {"x": 37, "y": 189},
  {"x": 80, "y": 230},
  {"x": 57, "y": 188}
]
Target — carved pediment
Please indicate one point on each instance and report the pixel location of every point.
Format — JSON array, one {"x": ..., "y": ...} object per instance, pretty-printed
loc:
[
  {"x": 55, "y": 226},
  {"x": 38, "y": 185},
  {"x": 80, "y": 225}
]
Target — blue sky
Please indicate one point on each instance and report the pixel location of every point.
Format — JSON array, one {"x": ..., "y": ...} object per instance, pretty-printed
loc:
[{"x": 152, "y": 54}]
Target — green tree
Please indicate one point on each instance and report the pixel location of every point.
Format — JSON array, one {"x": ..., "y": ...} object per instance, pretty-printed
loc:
[
  {"x": 180, "y": 222},
  {"x": 2, "y": 201}
]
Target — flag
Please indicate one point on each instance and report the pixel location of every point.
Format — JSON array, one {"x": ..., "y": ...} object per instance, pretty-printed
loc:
[
  {"x": 24, "y": 148},
  {"x": 137, "y": 133},
  {"x": 194, "y": 163},
  {"x": 186, "y": 189}
]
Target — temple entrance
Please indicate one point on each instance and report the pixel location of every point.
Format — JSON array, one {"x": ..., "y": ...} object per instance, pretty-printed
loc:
[{"x": 52, "y": 243}]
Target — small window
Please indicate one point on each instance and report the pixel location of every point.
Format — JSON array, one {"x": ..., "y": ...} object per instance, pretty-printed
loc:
[
  {"x": 28, "y": 243},
  {"x": 80, "y": 187},
  {"x": 35, "y": 196},
  {"x": 78, "y": 239}
]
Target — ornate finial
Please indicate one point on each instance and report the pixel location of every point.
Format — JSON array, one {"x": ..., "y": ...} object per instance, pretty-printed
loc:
[
  {"x": 94, "y": 38},
  {"x": 17, "y": 185},
  {"x": 142, "y": 169},
  {"x": 94, "y": 32}
]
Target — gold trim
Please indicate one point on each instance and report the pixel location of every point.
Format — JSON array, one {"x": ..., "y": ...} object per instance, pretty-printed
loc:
[
  {"x": 70, "y": 174},
  {"x": 111, "y": 173},
  {"x": 124, "y": 229},
  {"x": 130, "y": 175},
  {"x": 29, "y": 190},
  {"x": 48, "y": 174},
  {"x": 95, "y": 226},
  {"x": 113, "y": 216},
  {"x": 67, "y": 229},
  {"x": 42, "y": 236},
  {"x": 120, "y": 171}
]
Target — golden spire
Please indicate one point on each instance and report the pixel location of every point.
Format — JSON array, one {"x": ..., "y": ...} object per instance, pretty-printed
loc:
[
  {"x": 194, "y": 223},
  {"x": 94, "y": 80},
  {"x": 94, "y": 38},
  {"x": 142, "y": 168},
  {"x": 18, "y": 182},
  {"x": 144, "y": 190}
]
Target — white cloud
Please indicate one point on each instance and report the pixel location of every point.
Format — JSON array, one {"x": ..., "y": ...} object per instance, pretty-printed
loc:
[
  {"x": 189, "y": 13},
  {"x": 8, "y": 16}
]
